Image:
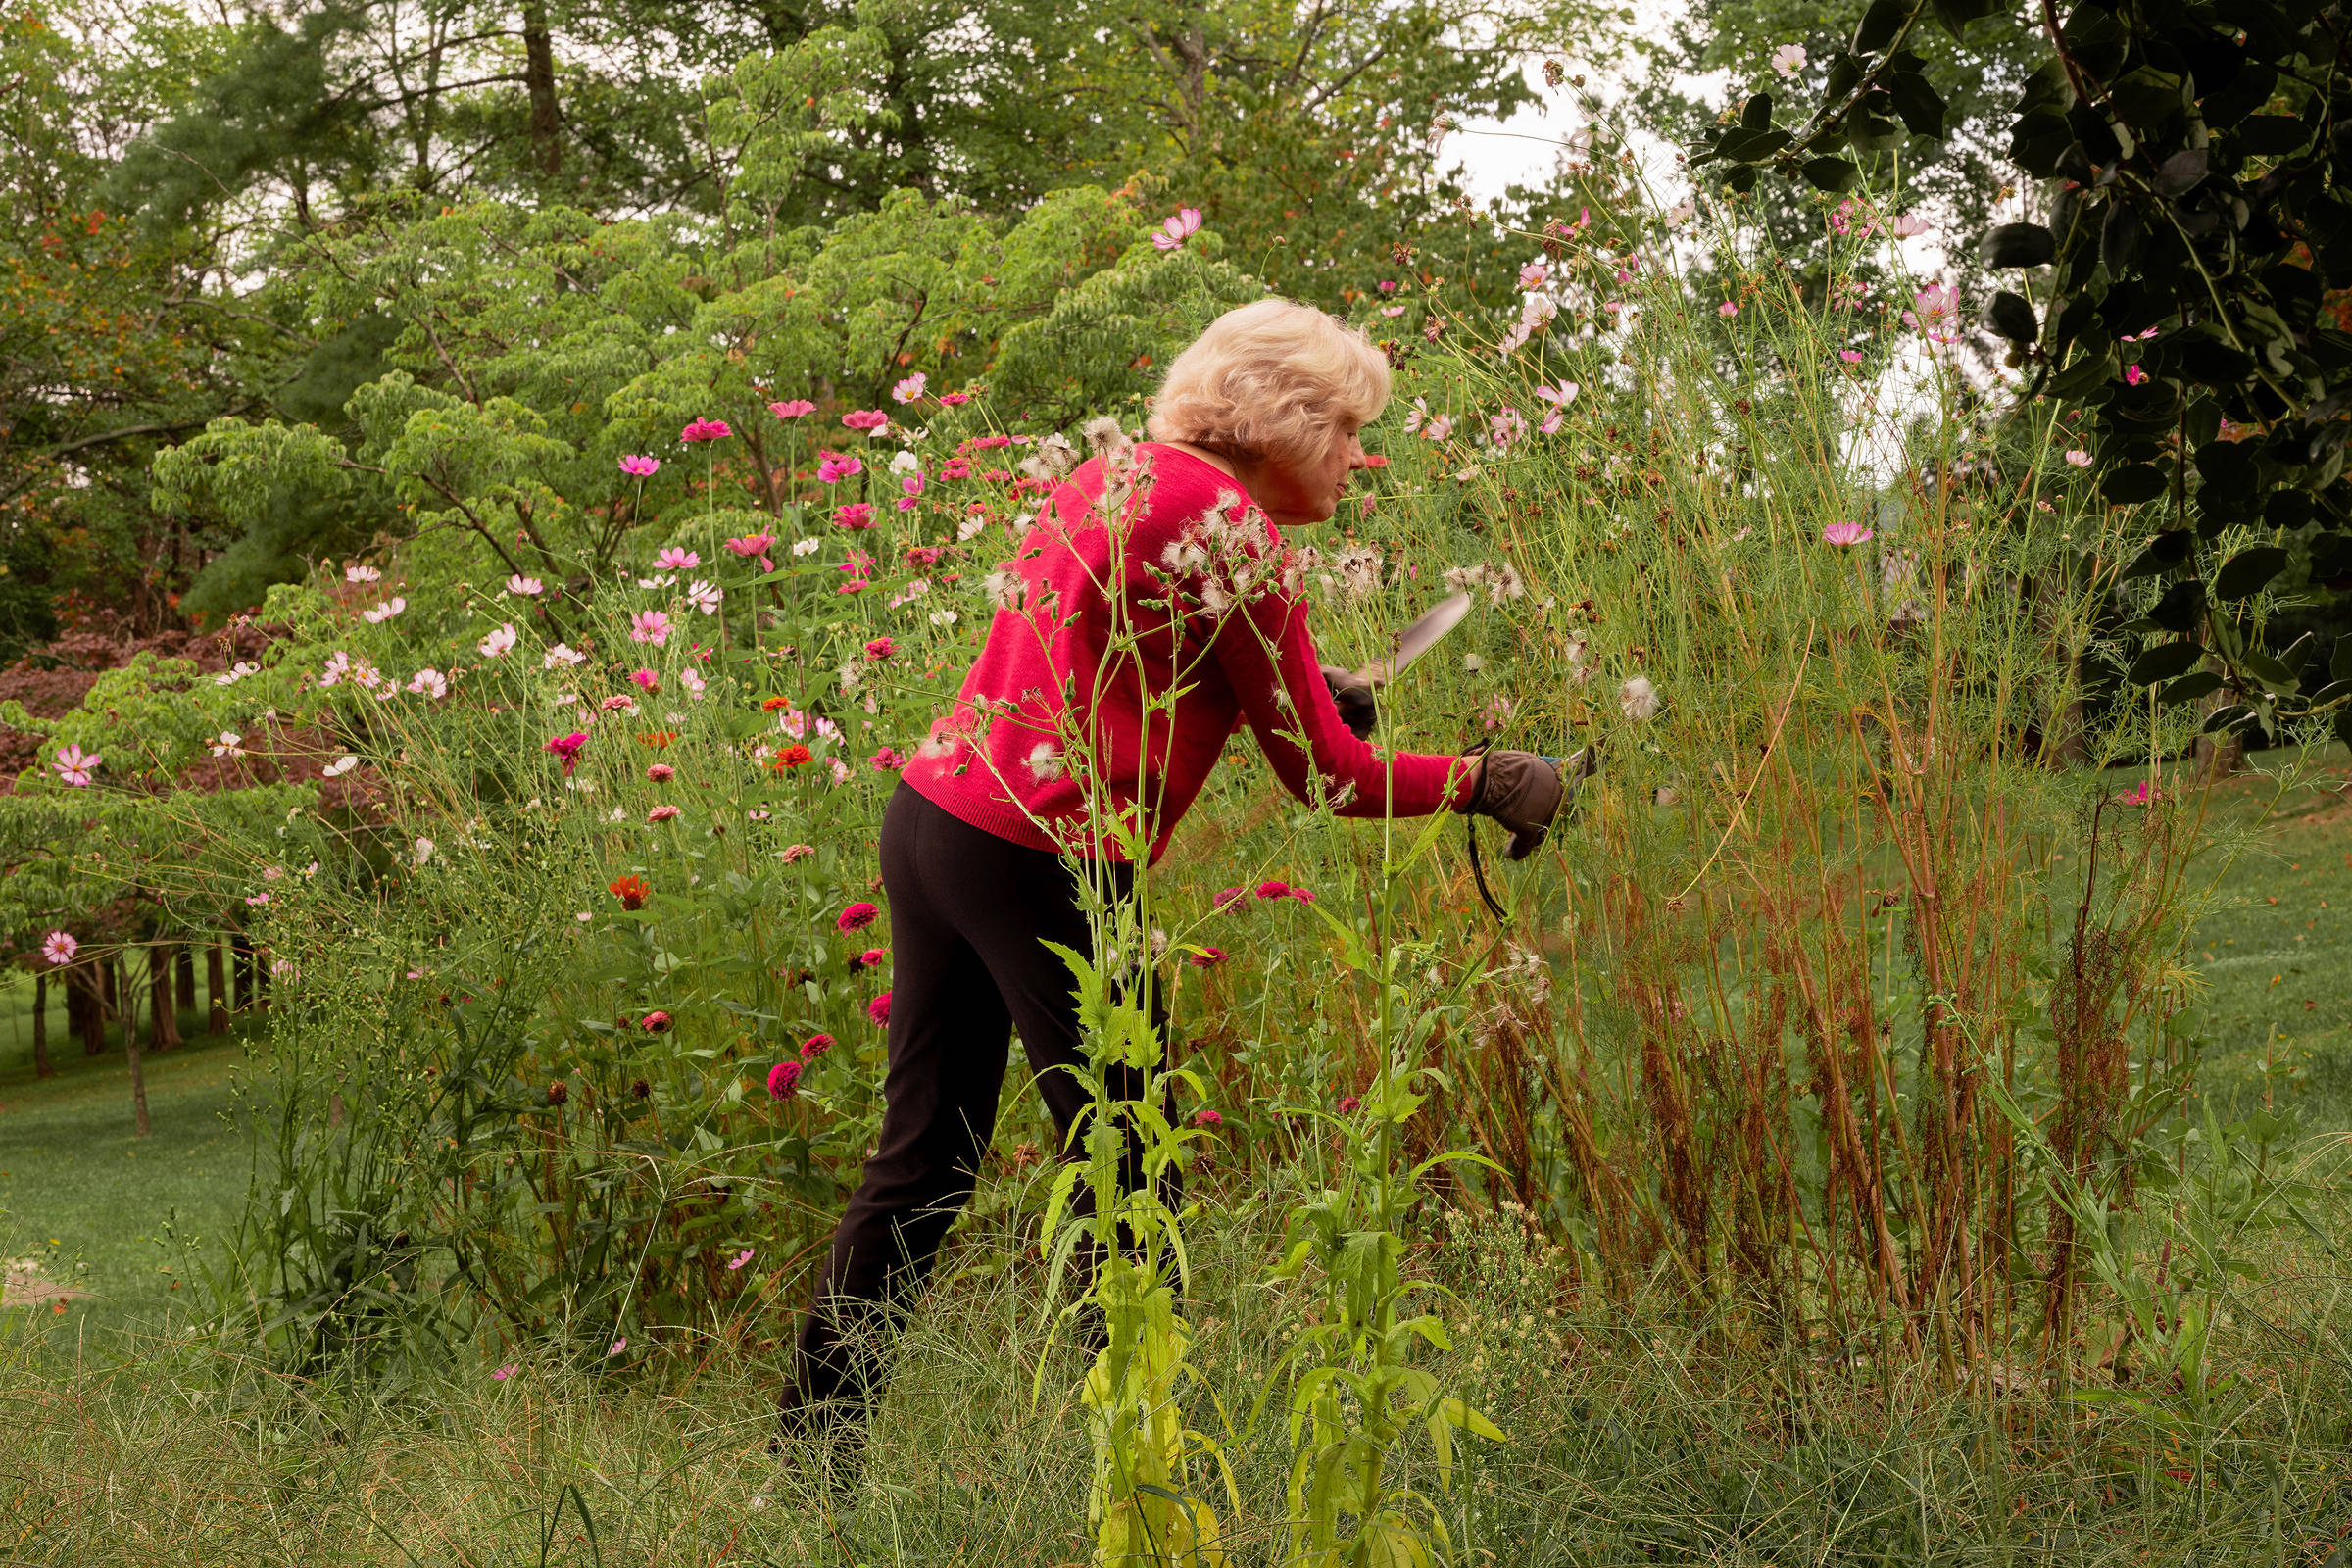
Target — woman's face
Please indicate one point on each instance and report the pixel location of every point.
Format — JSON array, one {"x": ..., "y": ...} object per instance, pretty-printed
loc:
[{"x": 1293, "y": 495}]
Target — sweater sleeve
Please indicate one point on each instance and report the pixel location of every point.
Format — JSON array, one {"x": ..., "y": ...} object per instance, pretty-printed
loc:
[{"x": 1266, "y": 652}]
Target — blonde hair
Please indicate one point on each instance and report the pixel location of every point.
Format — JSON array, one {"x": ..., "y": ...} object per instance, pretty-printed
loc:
[{"x": 1271, "y": 380}]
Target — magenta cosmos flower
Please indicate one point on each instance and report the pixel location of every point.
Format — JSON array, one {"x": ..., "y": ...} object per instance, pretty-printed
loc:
[
  {"x": 791, "y": 409},
  {"x": 566, "y": 748},
  {"x": 706, "y": 431},
  {"x": 857, "y": 918},
  {"x": 879, "y": 1009},
  {"x": 1844, "y": 533},
  {"x": 639, "y": 467},
  {"x": 648, "y": 627},
  {"x": 74, "y": 766},
  {"x": 59, "y": 947},
  {"x": 856, "y": 515},
  {"x": 835, "y": 467},
  {"x": 676, "y": 560},
  {"x": 1174, "y": 231},
  {"x": 782, "y": 1079}
]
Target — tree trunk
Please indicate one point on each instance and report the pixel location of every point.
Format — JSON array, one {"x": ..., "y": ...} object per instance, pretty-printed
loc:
[
  {"x": 184, "y": 998},
  {"x": 132, "y": 1055},
  {"x": 539, "y": 80},
  {"x": 2218, "y": 756},
  {"x": 216, "y": 985},
  {"x": 162, "y": 1009},
  {"x": 40, "y": 1028},
  {"x": 241, "y": 949},
  {"x": 91, "y": 993}
]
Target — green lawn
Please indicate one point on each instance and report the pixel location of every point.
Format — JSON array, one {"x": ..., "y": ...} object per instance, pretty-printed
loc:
[{"x": 89, "y": 1199}]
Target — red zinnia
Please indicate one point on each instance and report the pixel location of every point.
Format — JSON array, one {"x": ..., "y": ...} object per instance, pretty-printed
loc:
[
  {"x": 782, "y": 1079},
  {"x": 879, "y": 1009},
  {"x": 857, "y": 918},
  {"x": 792, "y": 756},
  {"x": 631, "y": 890}
]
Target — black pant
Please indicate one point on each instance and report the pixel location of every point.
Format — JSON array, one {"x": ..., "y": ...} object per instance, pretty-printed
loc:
[{"x": 970, "y": 918}]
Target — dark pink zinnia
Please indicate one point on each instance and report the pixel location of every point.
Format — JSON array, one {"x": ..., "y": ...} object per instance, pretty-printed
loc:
[
  {"x": 1271, "y": 889},
  {"x": 782, "y": 1079},
  {"x": 879, "y": 1009},
  {"x": 866, "y": 960},
  {"x": 857, "y": 918},
  {"x": 814, "y": 1047},
  {"x": 566, "y": 748},
  {"x": 1208, "y": 956}
]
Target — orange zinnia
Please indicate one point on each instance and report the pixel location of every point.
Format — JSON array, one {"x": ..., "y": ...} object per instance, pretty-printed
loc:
[
  {"x": 774, "y": 703},
  {"x": 631, "y": 890},
  {"x": 658, "y": 738}
]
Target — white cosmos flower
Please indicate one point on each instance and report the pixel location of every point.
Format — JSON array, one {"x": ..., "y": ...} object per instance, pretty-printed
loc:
[
  {"x": 385, "y": 610},
  {"x": 561, "y": 654},
  {"x": 942, "y": 618},
  {"x": 705, "y": 597},
  {"x": 430, "y": 683},
  {"x": 340, "y": 765},
  {"x": 361, "y": 575},
  {"x": 236, "y": 673},
  {"x": 807, "y": 547},
  {"x": 228, "y": 743}
]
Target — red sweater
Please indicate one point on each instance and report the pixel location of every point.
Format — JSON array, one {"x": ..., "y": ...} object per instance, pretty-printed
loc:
[{"x": 1202, "y": 600}]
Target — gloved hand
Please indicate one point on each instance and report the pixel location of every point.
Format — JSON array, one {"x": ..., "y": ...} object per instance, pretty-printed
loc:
[
  {"x": 1353, "y": 696},
  {"x": 1523, "y": 792}
]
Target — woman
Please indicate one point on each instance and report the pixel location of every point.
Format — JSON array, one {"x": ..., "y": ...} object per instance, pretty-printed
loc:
[{"x": 1151, "y": 611}]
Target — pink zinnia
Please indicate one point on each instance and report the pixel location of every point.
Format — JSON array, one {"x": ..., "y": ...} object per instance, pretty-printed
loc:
[
  {"x": 1844, "y": 533},
  {"x": 952, "y": 399},
  {"x": 857, "y": 514},
  {"x": 879, "y": 1009},
  {"x": 865, "y": 418},
  {"x": 1348, "y": 1104},
  {"x": 648, "y": 627},
  {"x": 1271, "y": 889},
  {"x": 1227, "y": 899},
  {"x": 886, "y": 761},
  {"x": 857, "y": 918},
  {"x": 640, "y": 468},
  {"x": 655, "y": 1023},
  {"x": 1303, "y": 895},
  {"x": 706, "y": 431},
  {"x": 782, "y": 1079},
  {"x": 866, "y": 960},
  {"x": 814, "y": 1047},
  {"x": 792, "y": 407},
  {"x": 662, "y": 813},
  {"x": 566, "y": 748},
  {"x": 660, "y": 773},
  {"x": 1207, "y": 1119},
  {"x": 835, "y": 467},
  {"x": 880, "y": 647}
]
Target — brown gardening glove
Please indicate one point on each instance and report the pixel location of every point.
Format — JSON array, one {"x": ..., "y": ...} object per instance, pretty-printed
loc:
[{"x": 1523, "y": 792}]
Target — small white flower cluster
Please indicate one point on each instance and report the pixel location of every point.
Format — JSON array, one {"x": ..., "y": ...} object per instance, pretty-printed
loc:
[{"x": 1503, "y": 583}]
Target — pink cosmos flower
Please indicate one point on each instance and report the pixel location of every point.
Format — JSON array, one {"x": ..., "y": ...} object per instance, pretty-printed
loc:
[
  {"x": 522, "y": 587},
  {"x": 74, "y": 766},
  {"x": 638, "y": 467},
  {"x": 879, "y": 1009},
  {"x": 1727, "y": 309},
  {"x": 1174, "y": 231},
  {"x": 506, "y": 1372},
  {"x": 2145, "y": 794},
  {"x": 2079, "y": 458},
  {"x": 1535, "y": 274},
  {"x": 740, "y": 1258},
  {"x": 908, "y": 390},
  {"x": 662, "y": 813},
  {"x": 865, "y": 418},
  {"x": 835, "y": 467},
  {"x": 59, "y": 947},
  {"x": 498, "y": 644},
  {"x": 880, "y": 647},
  {"x": 648, "y": 627},
  {"x": 660, "y": 773},
  {"x": 706, "y": 431},
  {"x": 1850, "y": 356},
  {"x": 1844, "y": 533},
  {"x": 791, "y": 409},
  {"x": 913, "y": 484},
  {"x": 1559, "y": 397},
  {"x": 693, "y": 682},
  {"x": 385, "y": 611},
  {"x": 2133, "y": 375},
  {"x": 782, "y": 1079},
  {"x": 856, "y": 515},
  {"x": 646, "y": 680},
  {"x": 566, "y": 748},
  {"x": 954, "y": 399},
  {"x": 1933, "y": 312},
  {"x": 677, "y": 559},
  {"x": 857, "y": 918},
  {"x": 752, "y": 544},
  {"x": 618, "y": 1345},
  {"x": 430, "y": 683},
  {"x": 1207, "y": 1119},
  {"x": 814, "y": 1047},
  {"x": 1207, "y": 957}
]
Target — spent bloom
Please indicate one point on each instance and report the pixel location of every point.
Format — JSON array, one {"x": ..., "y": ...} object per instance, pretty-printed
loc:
[
  {"x": 639, "y": 467},
  {"x": 522, "y": 587},
  {"x": 74, "y": 766},
  {"x": 1174, "y": 231},
  {"x": 1637, "y": 698},
  {"x": 706, "y": 431},
  {"x": 1788, "y": 58},
  {"x": 908, "y": 390},
  {"x": 59, "y": 947},
  {"x": 648, "y": 627}
]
